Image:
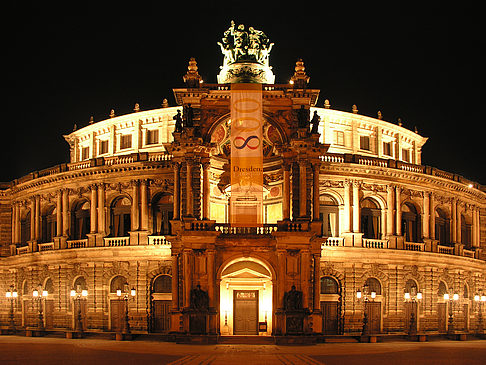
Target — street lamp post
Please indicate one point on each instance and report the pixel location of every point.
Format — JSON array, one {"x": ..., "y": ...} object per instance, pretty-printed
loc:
[
  {"x": 367, "y": 296},
  {"x": 412, "y": 297},
  {"x": 78, "y": 295},
  {"x": 11, "y": 295},
  {"x": 451, "y": 300},
  {"x": 125, "y": 295},
  {"x": 39, "y": 295},
  {"x": 480, "y": 299}
]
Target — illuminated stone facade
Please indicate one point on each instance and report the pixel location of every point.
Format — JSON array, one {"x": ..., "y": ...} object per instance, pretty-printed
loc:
[{"x": 144, "y": 204}]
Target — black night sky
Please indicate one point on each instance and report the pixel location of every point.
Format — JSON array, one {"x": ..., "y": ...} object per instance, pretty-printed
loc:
[{"x": 421, "y": 63}]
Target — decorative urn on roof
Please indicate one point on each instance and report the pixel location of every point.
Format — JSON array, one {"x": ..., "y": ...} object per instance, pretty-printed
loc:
[{"x": 246, "y": 53}]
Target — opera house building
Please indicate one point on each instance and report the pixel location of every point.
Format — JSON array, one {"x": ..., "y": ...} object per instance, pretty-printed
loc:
[{"x": 245, "y": 210}]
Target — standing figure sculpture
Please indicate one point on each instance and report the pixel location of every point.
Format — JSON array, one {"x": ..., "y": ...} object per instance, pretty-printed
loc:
[
  {"x": 315, "y": 123},
  {"x": 178, "y": 122}
]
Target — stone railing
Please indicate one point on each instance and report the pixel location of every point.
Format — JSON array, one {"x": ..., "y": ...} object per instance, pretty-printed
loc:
[
  {"x": 333, "y": 242},
  {"x": 468, "y": 253},
  {"x": 22, "y": 250},
  {"x": 414, "y": 246},
  {"x": 227, "y": 229},
  {"x": 49, "y": 246},
  {"x": 374, "y": 243},
  {"x": 77, "y": 243},
  {"x": 445, "y": 250},
  {"x": 116, "y": 241},
  {"x": 158, "y": 241}
]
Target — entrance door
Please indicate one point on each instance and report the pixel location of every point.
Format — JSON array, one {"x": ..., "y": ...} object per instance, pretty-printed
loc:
[
  {"x": 48, "y": 314},
  {"x": 442, "y": 317},
  {"x": 160, "y": 315},
  {"x": 117, "y": 315},
  {"x": 330, "y": 319},
  {"x": 374, "y": 317},
  {"x": 245, "y": 312}
]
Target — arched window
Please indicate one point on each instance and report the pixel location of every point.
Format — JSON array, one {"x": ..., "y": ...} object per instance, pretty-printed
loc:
[
  {"x": 466, "y": 231},
  {"x": 329, "y": 285},
  {"x": 411, "y": 226},
  {"x": 466, "y": 292},
  {"x": 49, "y": 224},
  {"x": 162, "y": 284},
  {"x": 162, "y": 214},
  {"x": 119, "y": 282},
  {"x": 373, "y": 286},
  {"x": 442, "y": 290},
  {"x": 49, "y": 286},
  {"x": 370, "y": 219},
  {"x": 442, "y": 227},
  {"x": 411, "y": 287},
  {"x": 25, "y": 228},
  {"x": 25, "y": 288},
  {"x": 329, "y": 216},
  {"x": 120, "y": 217},
  {"x": 80, "y": 284},
  {"x": 80, "y": 220}
]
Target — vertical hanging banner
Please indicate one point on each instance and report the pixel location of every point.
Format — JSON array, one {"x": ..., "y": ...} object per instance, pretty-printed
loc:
[{"x": 246, "y": 202}]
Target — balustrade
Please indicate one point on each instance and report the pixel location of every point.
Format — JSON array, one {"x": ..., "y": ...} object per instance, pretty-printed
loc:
[
  {"x": 46, "y": 246},
  {"x": 116, "y": 241},
  {"x": 77, "y": 243},
  {"x": 374, "y": 243},
  {"x": 414, "y": 246},
  {"x": 158, "y": 241}
]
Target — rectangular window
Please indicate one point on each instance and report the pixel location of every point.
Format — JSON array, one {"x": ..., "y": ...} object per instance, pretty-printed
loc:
[
  {"x": 103, "y": 147},
  {"x": 405, "y": 155},
  {"x": 364, "y": 143},
  {"x": 152, "y": 136},
  {"x": 387, "y": 148},
  {"x": 125, "y": 141},
  {"x": 339, "y": 138},
  {"x": 85, "y": 153}
]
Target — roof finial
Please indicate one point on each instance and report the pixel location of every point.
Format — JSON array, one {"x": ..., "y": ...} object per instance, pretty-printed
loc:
[
  {"x": 192, "y": 77},
  {"x": 355, "y": 109},
  {"x": 165, "y": 103},
  {"x": 380, "y": 115},
  {"x": 136, "y": 109},
  {"x": 327, "y": 104},
  {"x": 112, "y": 113},
  {"x": 300, "y": 78}
]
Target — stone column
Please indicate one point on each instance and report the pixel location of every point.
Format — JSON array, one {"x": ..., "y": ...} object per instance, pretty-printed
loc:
[
  {"x": 356, "y": 210},
  {"x": 302, "y": 188},
  {"x": 59, "y": 213},
  {"x": 458, "y": 224},
  {"x": 65, "y": 213},
  {"x": 315, "y": 193},
  {"x": 93, "y": 212},
  {"x": 37, "y": 218},
  {"x": 144, "y": 205},
  {"x": 398, "y": 207},
  {"x": 347, "y": 206},
  {"x": 32, "y": 219},
  {"x": 189, "y": 196},
  {"x": 281, "y": 277},
  {"x": 101, "y": 209},
  {"x": 426, "y": 216},
  {"x": 454, "y": 221},
  {"x": 175, "y": 282},
  {"x": 432, "y": 217},
  {"x": 317, "y": 282},
  {"x": 211, "y": 277},
  {"x": 135, "y": 206},
  {"x": 389, "y": 211},
  {"x": 16, "y": 222},
  {"x": 186, "y": 258},
  {"x": 304, "y": 277},
  {"x": 286, "y": 191},
  {"x": 177, "y": 191},
  {"x": 206, "y": 187}
]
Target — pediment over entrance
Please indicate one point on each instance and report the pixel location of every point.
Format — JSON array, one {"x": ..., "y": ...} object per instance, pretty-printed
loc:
[{"x": 246, "y": 269}]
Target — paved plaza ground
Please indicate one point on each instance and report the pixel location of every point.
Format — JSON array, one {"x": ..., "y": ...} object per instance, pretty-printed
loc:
[{"x": 45, "y": 350}]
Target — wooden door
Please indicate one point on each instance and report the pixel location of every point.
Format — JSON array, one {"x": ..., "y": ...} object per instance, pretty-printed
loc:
[
  {"x": 330, "y": 318},
  {"x": 161, "y": 315},
  {"x": 245, "y": 320},
  {"x": 411, "y": 307},
  {"x": 374, "y": 317},
  {"x": 117, "y": 315},
  {"x": 442, "y": 317},
  {"x": 49, "y": 314},
  {"x": 80, "y": 309}
]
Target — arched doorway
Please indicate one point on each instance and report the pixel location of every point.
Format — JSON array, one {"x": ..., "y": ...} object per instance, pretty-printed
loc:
[
  {"x": 329, "y": 216},
  {"x": 373, "y": 306},
  {"x": 370, "y": 219},
  {"x": 161, "y": 303},
  {"x": 246, "y": 292},
  {"x": 442, "y": 308},
  {"x": 120, "y": 217},
  {"x": 80, "y": 220},
  {"x": 118, "y": 306},
  {"x": 162, "y": 214},
  {"x": 411, "y": 226},
  {"x": 442, "y": 227},
  {"x": 330, "y": 305}
]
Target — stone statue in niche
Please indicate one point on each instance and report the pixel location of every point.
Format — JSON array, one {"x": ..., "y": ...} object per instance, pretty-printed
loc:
[
  {"x": 293, "y": 300},
  {"x": 199, "y": 299},
  {"x": 303, "y": 116},
  {"x": 315, "y": 122},
  {"x": 178, "y": 122}
]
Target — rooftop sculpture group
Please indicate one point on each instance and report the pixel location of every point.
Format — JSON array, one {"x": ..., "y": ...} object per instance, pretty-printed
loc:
[{"x": 245, "y": 45}]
